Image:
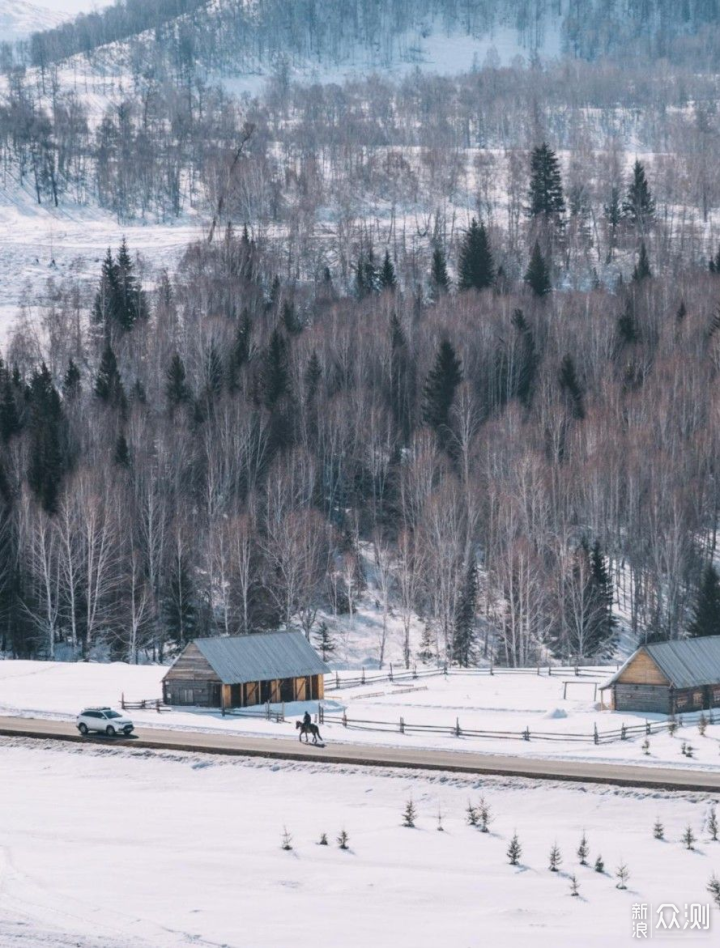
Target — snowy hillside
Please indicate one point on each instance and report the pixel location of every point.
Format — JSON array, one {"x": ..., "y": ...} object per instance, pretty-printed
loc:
[{"x": 18, "y": 19}]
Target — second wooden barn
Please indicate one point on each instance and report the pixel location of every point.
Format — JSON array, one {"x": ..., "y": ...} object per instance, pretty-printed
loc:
[
  {"x": 244, "y": 670},
  {"x": 669, "y": 677}
]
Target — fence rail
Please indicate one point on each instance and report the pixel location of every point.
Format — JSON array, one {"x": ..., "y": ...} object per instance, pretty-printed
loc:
[
  {"x": 401, "y": 726},
  {"x": 143, "y": 704},
  {"x": 334, "y": 681}
]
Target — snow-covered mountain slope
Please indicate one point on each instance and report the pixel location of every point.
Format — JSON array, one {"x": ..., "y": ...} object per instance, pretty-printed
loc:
[{"x": 19, "y": 19}]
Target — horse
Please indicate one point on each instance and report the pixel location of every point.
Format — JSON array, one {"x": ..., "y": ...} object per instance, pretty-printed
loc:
[{"x": 308, "y": 729}]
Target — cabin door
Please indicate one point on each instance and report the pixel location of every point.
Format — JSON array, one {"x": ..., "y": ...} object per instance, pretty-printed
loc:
[{"x": 215, "y": 692}]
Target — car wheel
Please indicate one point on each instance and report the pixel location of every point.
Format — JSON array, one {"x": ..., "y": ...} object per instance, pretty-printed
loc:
[
  {"x": 83, "y": 728},
  {"x": 110, "y": 730}
]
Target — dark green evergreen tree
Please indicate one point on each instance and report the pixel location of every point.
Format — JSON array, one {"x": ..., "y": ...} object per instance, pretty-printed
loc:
[
  {"x": 528, "y": 362},
  {"x": 613, "y": 215},
  {"x": 313, "y": 377},
  {"x": 121, "y": 455},
  {"x": 324, "y": 641},
  {"x": 214, "y": 376},
  {"x": 292, "y": 323},
  {"x": 537, "y": 275},
  {"x": 706, "y": 613},
  {"x": 177, "y": 390},
  {"x": 571, "y": 388},
  {"x": 627, "y": 326},
  {"x": 130, "y": 305},
  {"x": 72, "y": 382},
  {"x": 10, "y": 423},
  {"x": 240, "y": 352},
  {"x": 440, "y": 386},
  {"x": 47, "y": 462},
  {"x": 642, "y": 269},
  {"x": 439, "y": 279},
  {"x": 276, "y": 373},
  {"x": 386, "y": 277},
  {"x": 547, "y": 201},
  {"x": 464, "y": 632},
  {"x": 639, "y": 207},
  {"x": 105, "y": 311},
  {"x": 714, "y": 263},
  {"x": 108, "y": 383},
  {"x": 179, "y": 606},
  {"x": 366, "y": 274},
  {"x": 476, "y": 267}
]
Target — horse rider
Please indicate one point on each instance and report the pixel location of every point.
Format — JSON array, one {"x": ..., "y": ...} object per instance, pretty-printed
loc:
[{"x": 307, "y": 720}]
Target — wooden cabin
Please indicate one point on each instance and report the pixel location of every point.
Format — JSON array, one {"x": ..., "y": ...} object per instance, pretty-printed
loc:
[
  {"x": 668, "y": 678},
  {"x": 244, "y": 670}
]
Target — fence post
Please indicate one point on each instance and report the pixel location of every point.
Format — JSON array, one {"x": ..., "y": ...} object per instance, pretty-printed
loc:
[
  {"x": 549, "y": 670},
  {"x": 390, "y": 676},
  {"x": 458, "y": 732},
  {"x": 362, "y": 676},
  {"x": 492, "y": 668},
  {"x": 282, "y": 711},
  {"x": 157, "y": 706},
  {"x": 526, "y": 734},
  {"x": 402, "y": 726},
  {"x": 267, "y": 709},
  {"x": 344, "y": 719},
  {"x": 596, "y": 736},
  {"x": 122, "y": 700},
  {"x": 337, "y": 680},
  {"x": 648, "y": 729},
  {"x": 414, "y": 671},
  {"x": 538, "y": 669},
  {"x": 445, "y": 669},
  {"x": 577, "y": 670},
  {"x": 623, "y": 732}
]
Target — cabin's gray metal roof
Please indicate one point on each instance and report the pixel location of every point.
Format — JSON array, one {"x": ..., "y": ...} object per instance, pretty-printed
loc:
[
  {"x": 261, "y": 656},
  {"x": 686, "y": 663}
]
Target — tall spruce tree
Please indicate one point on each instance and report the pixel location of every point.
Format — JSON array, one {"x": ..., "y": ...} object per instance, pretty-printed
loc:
[
  {"x": 177, "y": 390},
  {"x": 642, "y": 269},
  {"x": 107, "y": 296},
  {"x": 72, "y": 381},
  {"x": 108, "y": 383},
  {"x": 179, "y": 607},
  {"x": 528, "y": 360},
  {"x": 386, "y": 278},
  {"x": 276, "y": 373},
  {"x": 547, "y": 201},
  {"x": 537, "y": 275},
  {"x": 464, "y": 632},
  {"x": 439, "y": 279},
  {"x": 639, "y": 207},
  {"x": 439, "y": 391},
  {"x": 706, "y": 613},
  {"x": 571, "y": 388},
  {"x": 476, "y": 267},
  {"x": 130, "y": 305},
  {"x": 47, "y": 462},
  {"x": 10, "y": 423}
]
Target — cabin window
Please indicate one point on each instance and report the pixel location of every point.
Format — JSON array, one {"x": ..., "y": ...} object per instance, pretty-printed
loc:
[
  {"x": 716, "y": 694},
  {"x": 681, "y": 701},
  {"x": 698, "y": 698},
  {"x": 187, "y": 696}
]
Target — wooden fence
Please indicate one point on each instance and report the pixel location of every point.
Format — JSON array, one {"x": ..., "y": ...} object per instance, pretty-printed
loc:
[
  {"x": 143, "y": 704},
  {"x": 401, "y": 726},
  {"x": 334, "y": 681}
]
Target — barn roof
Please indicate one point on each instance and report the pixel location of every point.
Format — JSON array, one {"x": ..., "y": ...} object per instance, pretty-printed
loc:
[
  {"x": 686, "y": 663},
  {"x": 261, "y": 656}
]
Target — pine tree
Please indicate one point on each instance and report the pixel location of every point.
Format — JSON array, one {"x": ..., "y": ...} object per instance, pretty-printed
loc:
[
  {"x": 642, "y": 269},
  {"x": 471, "y": 814},
  {"x": 10, "y": 423},
  {"x": 555, "y": 859},
  {"x": 323, "y": 840},
  {"x": 528, "y": 362},
  {"x": 714, "y": 263},
  {"x": 713, "y": 888},
  {"x": 366, "y": 275},
  {"x": 574, "y": 886},
  {"x": 681, "y": 313},
  {"x": 286, "y": 840},
  {"x": 622, "y": 874},
  {"x": 537, "y": 275},
  {"x": 108, "y": 384},
  {"x": 409, "y": 814},
  {"x": 546, "y": 191},
  {"x": 688, "y": 838},
  {"x": 464, "y": 632},
  {"x": 343, "y": 840},
  {"x": 439, "y": 279},
  {"x": 72, "y": 382},
  {"x": 177, "y": 390},
  {"x": 240, "y": 352},
  {"x": 583, "y": 850},
  {"x": 386, "y": 277},
  {"x": 121, "y": 455},
  {"x": 570, "y": 386},
  {"x": 514, "y": 851},
  {"x": 658, "y": 829},
  {"x": 712, "y": 824},
  {"x": 639, "y": 207},
  {"x": 47, "y": 463},
  {"x": 214, "y": 375},
  {"x": 706, "y": 613},
  {"x": 130, "y": 305},
  {"x": 293, "y": 326},
  {"x": 599, "y": 864},
  {"x": 179, "y": 611},
  {"x": 626, "y": 325},
  {"x": 484, "y": 815},
  {"x": 476, "y": 267},
  {"x": 439, "y": 390},
  {"x": 613, "y": 215},
  {"x": 105, "y": 307},
  {"x": 276, "y": 375},
  {"x": 313, "y": 377},
  {"x": 324, "y": 641}
]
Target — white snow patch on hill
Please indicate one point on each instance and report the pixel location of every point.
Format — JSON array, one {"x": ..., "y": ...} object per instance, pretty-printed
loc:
[{"x": 19, "y": 19}]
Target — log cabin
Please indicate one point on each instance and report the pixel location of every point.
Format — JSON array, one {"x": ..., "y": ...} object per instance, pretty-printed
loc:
[
  {"x": 668, "y": 678},
  {"x": 244, "y": 670}
]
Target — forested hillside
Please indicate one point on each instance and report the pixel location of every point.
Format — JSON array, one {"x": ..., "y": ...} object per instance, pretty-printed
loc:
[{"x": 457, "y": 330}]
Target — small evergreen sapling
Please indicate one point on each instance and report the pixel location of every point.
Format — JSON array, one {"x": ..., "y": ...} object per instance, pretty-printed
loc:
[
  {"x": 440, "y": 827},
  {"x": 623, "y": 874},
  {"x": 286, "y": 840},
  {"x": 514, "y": 851},
  {"x": 646, "y": 747},
  {"x": 343, "y": 840},
  {"x": 658, "y": 830},
  {"x": 323, "y": 840},
  {"x": 409, "y": 814},
  {"x": 555, "y": 858},
  {"x": 472, "y": 815},
  {"x": 574, "y": 886},
  {"x": 702, "y": 725},
  {"x": 485, "y": 815},
  {"x": 583, "y": 850},
  {"x": 688, "y": 838},
  {"x": 712, "y": 824},
  {"x": 713, "y": 888},
  {"x": 600, "y": 865}
]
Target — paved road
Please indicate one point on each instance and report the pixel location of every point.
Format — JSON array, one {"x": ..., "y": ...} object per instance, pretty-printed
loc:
[{"x": 375, "y": 756}]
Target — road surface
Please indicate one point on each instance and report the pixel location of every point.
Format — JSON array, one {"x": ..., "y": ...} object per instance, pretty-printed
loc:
[{"x": 632, "y": 775}]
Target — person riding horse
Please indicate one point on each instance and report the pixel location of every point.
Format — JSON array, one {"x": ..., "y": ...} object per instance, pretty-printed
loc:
[
  {"x": 307, "y": 727},
  {"x": 307, "y": 719}
]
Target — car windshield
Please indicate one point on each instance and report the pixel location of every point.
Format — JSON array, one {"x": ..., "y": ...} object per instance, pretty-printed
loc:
[{"x": 112, "y": 714}]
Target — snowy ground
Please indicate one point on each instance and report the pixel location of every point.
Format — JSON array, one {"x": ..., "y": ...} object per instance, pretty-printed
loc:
[
  {"x": 105, "y": 848},
  {"x": 502, "y": 702}
]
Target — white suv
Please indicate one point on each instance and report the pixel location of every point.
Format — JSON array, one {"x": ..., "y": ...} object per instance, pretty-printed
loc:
[{"x": 104, "y": 721}]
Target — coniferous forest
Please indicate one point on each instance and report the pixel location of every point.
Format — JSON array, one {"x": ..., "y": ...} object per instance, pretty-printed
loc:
[{"x": 476, "y": 346}]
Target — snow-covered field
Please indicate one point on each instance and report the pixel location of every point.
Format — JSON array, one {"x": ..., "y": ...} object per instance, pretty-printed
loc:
[
  {"x": 104, "y": 848},
  {"x": 502, "y": 702}
]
